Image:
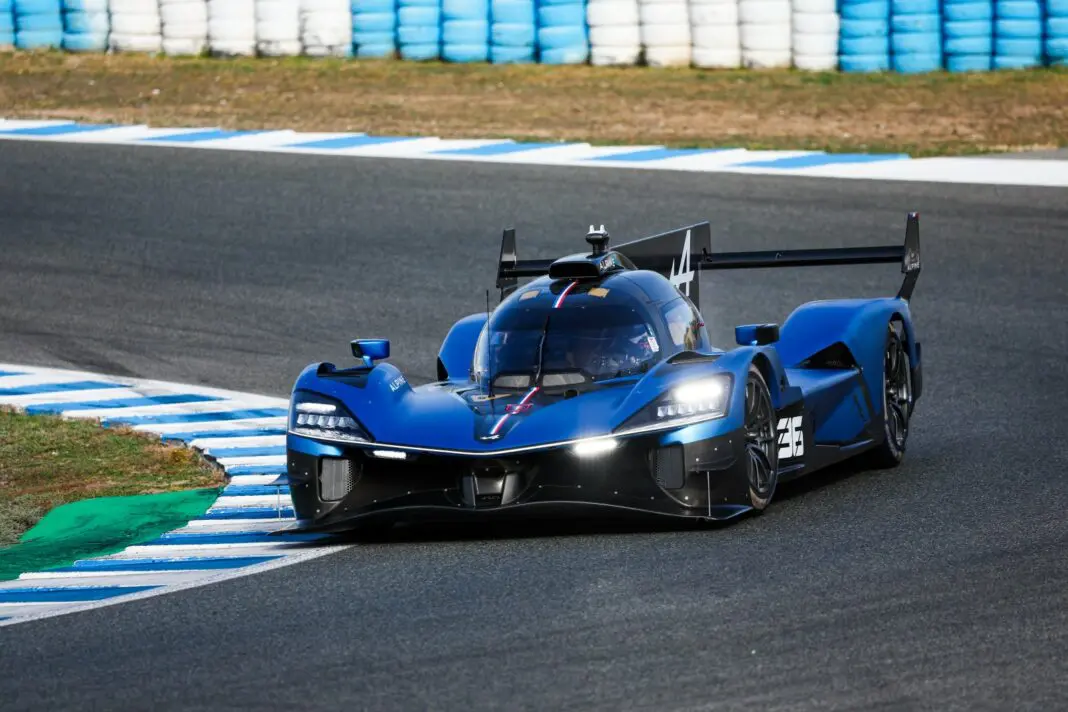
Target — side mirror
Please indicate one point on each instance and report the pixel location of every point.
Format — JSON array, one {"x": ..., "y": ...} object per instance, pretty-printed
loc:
[
  {"x": 370, "y": 350},
  {"x": 756, "y": 334}
]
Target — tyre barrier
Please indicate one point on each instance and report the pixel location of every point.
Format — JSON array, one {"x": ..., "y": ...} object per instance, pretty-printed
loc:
[
  {"x": 7, "y": 25},
  {"x": 184, "y": 25},
  {"x": 513, "y": 32},
  {"x": 905, "y": 36},
  {"x": 38, "y": 24},
  {"x": 615, "y": 32},
  {"x": 85, "y": 26},
  {"x": 136, "y": 26},
  {"x": 374, "y": 29},
  {"x": 278, "y": 28}
]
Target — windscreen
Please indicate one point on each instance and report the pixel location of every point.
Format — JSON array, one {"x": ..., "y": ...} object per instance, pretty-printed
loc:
[{"x": 565, "y": 347}]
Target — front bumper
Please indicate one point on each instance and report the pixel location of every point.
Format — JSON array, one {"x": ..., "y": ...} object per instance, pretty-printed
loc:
[{"x": 335, "y": 487}]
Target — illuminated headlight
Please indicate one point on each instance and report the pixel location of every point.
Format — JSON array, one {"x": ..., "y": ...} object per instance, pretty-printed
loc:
[
  {"x": 687, "y": 403},
  {"x": 315, "y": 416},
  {"x": 705, "y": 397},
  {"x": 593, "y": 448}
]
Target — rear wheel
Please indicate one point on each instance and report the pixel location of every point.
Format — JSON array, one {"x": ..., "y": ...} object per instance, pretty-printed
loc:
[
  {"x": 897, "y": 399},
  {"x": 761, "y": 451}
]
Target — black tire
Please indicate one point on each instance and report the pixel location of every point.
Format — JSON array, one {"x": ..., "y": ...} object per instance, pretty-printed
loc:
[
  {"x": 761, "y": 441},
  {"x": 897, "y": 400}
]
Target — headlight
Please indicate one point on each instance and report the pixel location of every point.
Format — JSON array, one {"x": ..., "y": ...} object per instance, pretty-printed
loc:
[
  {"x": 316, "y": 416},
  {"x": 691, "y": 402}
]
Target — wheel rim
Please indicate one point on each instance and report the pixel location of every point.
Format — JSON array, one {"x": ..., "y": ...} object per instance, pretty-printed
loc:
[
  {"x": 898, "y": 393},
  {"x": 759, "y": 439}
]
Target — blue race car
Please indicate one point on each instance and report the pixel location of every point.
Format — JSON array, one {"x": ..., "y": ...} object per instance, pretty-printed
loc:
[{"x": 594, "y": 389}]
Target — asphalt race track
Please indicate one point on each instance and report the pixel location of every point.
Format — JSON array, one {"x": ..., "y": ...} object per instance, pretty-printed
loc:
[{"x": 942, "y": 585}]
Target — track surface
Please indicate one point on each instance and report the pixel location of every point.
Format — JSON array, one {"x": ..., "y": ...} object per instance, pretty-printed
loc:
[{"x": 942, "y": 585}]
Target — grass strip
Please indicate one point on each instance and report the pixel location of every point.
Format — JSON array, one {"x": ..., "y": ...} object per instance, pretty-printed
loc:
[{"x": 930, "y": 114}]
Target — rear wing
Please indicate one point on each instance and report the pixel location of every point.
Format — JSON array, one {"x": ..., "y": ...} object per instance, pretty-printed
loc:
[{"x": 673, "y": 254}]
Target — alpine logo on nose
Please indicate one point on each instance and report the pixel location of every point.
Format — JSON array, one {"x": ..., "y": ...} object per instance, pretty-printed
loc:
[{"x": 684, "y": 275}]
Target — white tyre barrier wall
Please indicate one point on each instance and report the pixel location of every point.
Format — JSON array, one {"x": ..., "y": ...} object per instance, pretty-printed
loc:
[
  {"x": 615, "y": 32},
  {"x": 326, "y": 28},
  {"x": 716, "y": 35},
  {"x": 85, "y": 25},
  {"x": 665, "y": 30},
  {"x": 135, "y": 26},
  {"x": 185, "y": 26},
  {"x": 766, "y": 34},
  {"x": 278, "y": 28},
  {"x": 232, "y": 27},
  {"x": 815, "y": 35}
]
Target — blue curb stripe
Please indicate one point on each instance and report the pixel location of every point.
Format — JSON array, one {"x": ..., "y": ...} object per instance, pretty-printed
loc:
[
  {"x": 499, "y": 149},
  {"x": 353, "y": 141},
  {"x": 183, "y": 539},
  {"x": 235, "y": 470},
  {"x": 197, "y": 136},
  {"x": 182, "y": 564},
  {"x": 196, "y": 435},
  {"x": 249, "y": 513},
  {"x": 60, "y": 130},
  {"x": 71, "y": 594},
  {"x": 11, "y": 373},
  {"x": 119, "y": 403},
  {"x": 262, "y": 451},
  {"x": 256, "y": 490},
  {"x": 172, "y": 418},
  {"x": 821, "y": 159},
  {"x": 658, "y": 154},
  {"x": 56, "y": 387}
]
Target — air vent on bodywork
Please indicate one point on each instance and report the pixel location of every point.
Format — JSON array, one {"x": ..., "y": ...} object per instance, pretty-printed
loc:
[
  {"x": 686, "y": 357},
  {"x": 668, "y": 467},
  {"x": 837, "y": 356},
  {"x": 337, "y": 477}
]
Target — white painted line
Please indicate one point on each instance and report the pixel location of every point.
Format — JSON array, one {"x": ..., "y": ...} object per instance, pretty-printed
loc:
[
  {"x": 278, "y": 422},
  {"x": 244, "y": 480},
  {"x": 96, "y": 394},
  {"x": 228, "y": 462},
  {"x": 67, "y": 579},
  {"x": 209, "y": 444}
]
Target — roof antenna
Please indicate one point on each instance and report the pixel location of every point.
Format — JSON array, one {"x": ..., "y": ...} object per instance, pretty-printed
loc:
[{"x": 598, "y": 240}]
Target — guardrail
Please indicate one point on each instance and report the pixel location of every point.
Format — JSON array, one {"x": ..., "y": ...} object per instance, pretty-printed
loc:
[{"x": 908, "y": 36}]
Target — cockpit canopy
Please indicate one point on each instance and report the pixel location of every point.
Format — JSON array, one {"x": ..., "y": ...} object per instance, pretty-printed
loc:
[{"x": 567, "y": 334}]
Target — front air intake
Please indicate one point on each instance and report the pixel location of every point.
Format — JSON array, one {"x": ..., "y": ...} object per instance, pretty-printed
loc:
[
  {"x": 337, "y": 477},
  {"x": 668, "y": 467}
]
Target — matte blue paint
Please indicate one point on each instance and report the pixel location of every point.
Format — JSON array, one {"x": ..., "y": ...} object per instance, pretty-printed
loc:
[
  {"x": 11, "y": 373},
  {"x": 249, "y": 513},
  {"x": 59, "y": 130},
  {"x": 261, "y": 451},
  {"x": 256, "y": 490},
  {"x": 119, "y": 403},
  {"x": 181, "y": 564},
  {"x": 197, "y": 417},
  {"x": 71, "y": 594},
  {"x": 356, "y": 140},
  {"x": 658, "y": 154},
  {"x": 197, "y": 136},
  {"x": 822, "y": 159},
  {"x": 245, "y": 433},
  {"x": 57, "y": 387},
  {"x": 500, "y": 149},
  {"x": 183, "y": 539},
  {"x": 235, "y": 470}
]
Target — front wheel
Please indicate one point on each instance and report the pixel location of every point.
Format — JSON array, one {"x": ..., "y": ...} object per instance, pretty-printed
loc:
[
  {"x": 897, "y": 400},
  {"x": 761, "y": 449}
]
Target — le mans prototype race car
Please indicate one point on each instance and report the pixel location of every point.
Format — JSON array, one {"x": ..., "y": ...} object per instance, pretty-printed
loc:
[{"x": 594, "y": 389}]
